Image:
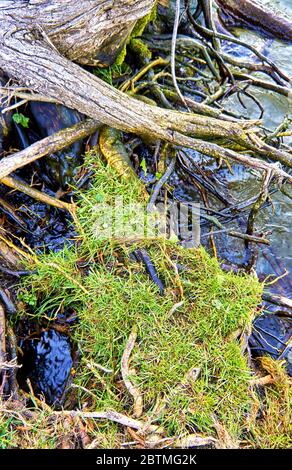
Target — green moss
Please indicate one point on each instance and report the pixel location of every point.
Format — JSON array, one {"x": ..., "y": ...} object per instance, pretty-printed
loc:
[
  {"x": 121, "y": 56},
  {"x": 140, "y": 50},
  {"x": 117, "y": 293},
  {"x": 7, "y": 432},
  {"x": 143, "y": 22},
  {"x": 137, "y": 33}
]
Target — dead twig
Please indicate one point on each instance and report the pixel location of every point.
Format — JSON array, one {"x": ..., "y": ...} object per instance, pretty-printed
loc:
[
  {"x": 263, "y": 195},
  {"x": 36, "y": 194},
  {"x": 112, "y": 415},
  {"x": 160, "y": 183},
  {"x": 138, "y": 400},
  {"x": 172, "y": 56}
]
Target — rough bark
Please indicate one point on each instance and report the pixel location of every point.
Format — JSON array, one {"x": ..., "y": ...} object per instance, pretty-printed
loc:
[
  {"x": 43, "y": 69},
  {"x": 90, "y": 32},
  {"x": 252, "y": 15}
]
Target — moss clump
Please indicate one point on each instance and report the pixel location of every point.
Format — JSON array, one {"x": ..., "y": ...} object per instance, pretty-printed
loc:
[
  {"x": 137, "y": 33},
  {"x": 116, "y": 294},
  {"x": 143, "y": 22}
]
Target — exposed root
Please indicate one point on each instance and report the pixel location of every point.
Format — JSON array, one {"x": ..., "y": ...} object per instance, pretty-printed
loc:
[
  {"x": 113, "y": 416},
  {"x": 132, "y": 389}
]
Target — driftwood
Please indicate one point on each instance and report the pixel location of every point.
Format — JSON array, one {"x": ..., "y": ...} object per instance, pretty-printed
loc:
[
  {"x": 90, "y": 32},
  {"x": 35, "y": 193},
  {"x": 253, "y": 15},
  {"x": 36, "y": 36}
]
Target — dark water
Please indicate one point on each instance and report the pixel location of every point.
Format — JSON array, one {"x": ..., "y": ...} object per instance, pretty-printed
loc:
[
  {"x": 42, "y": 227},
  {"x": 240, "y": 184},
  {"x": 271, "y": 334},
  {"x": 47, "y": 362}
]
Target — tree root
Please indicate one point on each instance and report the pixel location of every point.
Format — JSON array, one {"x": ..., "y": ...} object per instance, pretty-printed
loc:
[
  {"x": 78, "y": 89},
  {"x": 116, "y": 417},
  {"x": 115, "y": 152},
  {"x": 132, "y": 389}
]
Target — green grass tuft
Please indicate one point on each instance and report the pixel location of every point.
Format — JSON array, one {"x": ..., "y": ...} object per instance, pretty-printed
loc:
[{"x": 116, "y": 294}]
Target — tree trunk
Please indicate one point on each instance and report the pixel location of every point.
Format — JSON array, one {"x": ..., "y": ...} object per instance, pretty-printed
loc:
[
  {"x": 40, "y": 38},
  {"x": 89, "y": 32}
]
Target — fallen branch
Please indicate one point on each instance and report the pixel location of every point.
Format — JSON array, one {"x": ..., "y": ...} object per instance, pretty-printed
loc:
[
  {"x": 34, "y": 193},
  {"x": 252, "y": 14},
  {"x": 215, "y": 151},
  {"x": 249, "y": 238},
  {"x": 2, "y": 350},
  {"x": 78, "y": 89},
  {"x": 277, "y": 300}
]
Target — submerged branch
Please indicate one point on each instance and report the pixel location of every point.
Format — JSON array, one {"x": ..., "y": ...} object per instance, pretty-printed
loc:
[{"x": 46, "y": 146}]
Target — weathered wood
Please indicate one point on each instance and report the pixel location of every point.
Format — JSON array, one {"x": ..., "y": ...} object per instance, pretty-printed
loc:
[
  {"x": 253, "y": 15},
  {"x": 63, "y": 138},
  {"x": 5, "y": 119},
  {"x": 43, "y": 69},
  {"x": 277, "y": 299},
  {"x": 90, "y": 32},
  {"x": 48, "y": 145},
  {"x": 28, "y": 38},
  {"x": 35, "y": 193}
]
